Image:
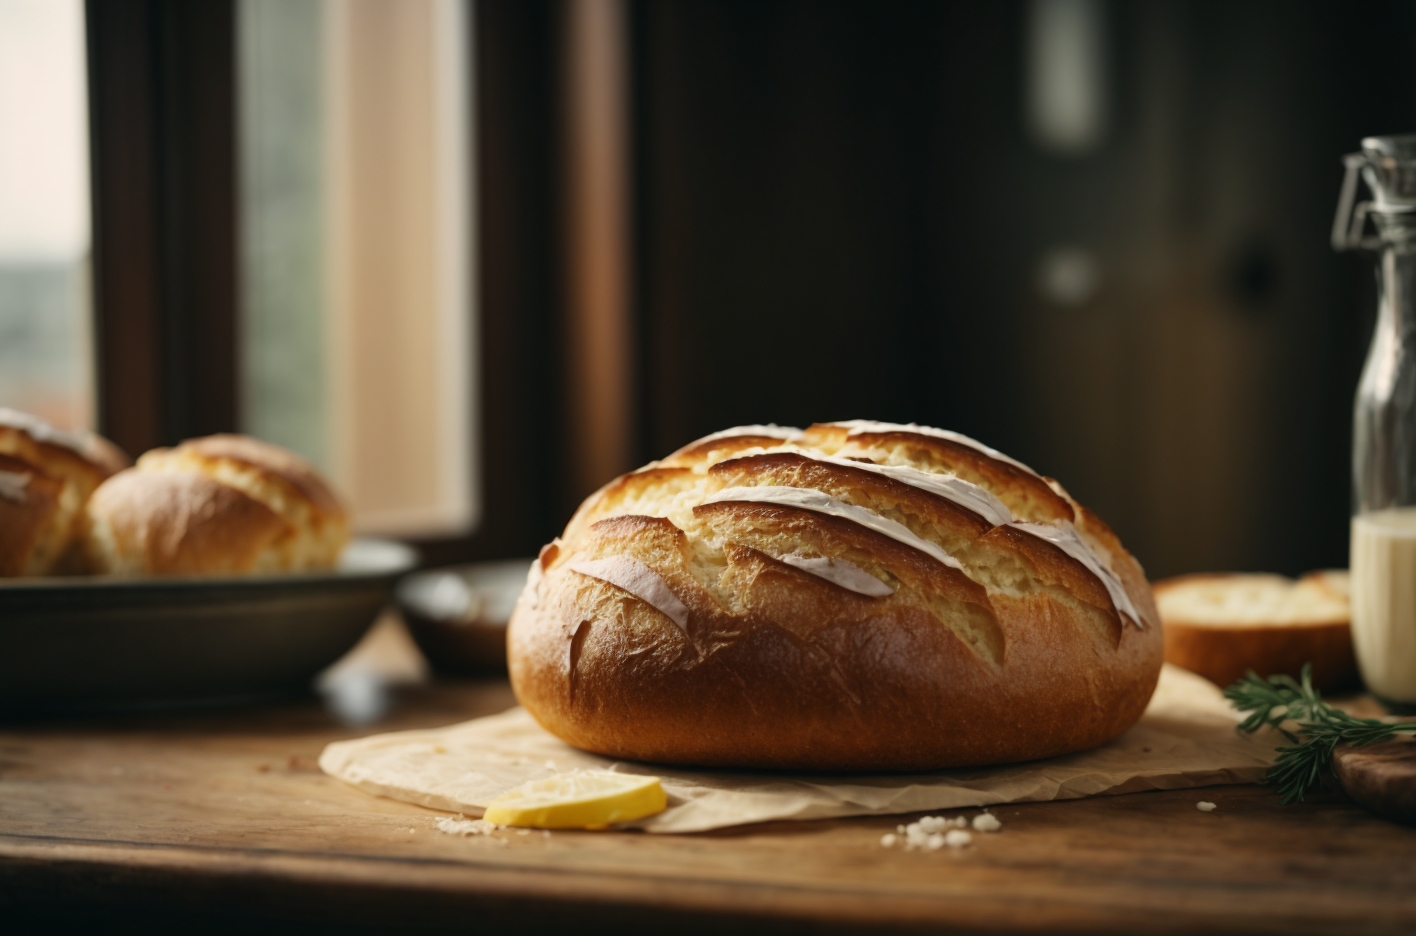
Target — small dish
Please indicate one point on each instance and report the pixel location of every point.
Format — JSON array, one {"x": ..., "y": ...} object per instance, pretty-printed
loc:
[
  {"x": 103, "y": 642},
  {"x": 458, "y": 615}
]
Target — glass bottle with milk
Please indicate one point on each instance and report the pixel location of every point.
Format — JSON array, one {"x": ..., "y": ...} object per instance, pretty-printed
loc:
[{"x": 1383, "y": 546}]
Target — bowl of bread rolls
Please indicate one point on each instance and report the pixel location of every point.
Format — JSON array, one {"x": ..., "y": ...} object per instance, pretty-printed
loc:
[
  {"x": 851, "y": 596},
  {"x": 220, "y": 568}
]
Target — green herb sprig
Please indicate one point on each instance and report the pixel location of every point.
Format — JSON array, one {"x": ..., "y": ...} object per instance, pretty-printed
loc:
[{"x": 1320, "y": 728}]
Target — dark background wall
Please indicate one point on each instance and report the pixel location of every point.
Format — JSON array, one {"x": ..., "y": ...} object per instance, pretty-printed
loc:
[
  {"x": 841, "y": 214},
  {"x": 839, "y": 211}
]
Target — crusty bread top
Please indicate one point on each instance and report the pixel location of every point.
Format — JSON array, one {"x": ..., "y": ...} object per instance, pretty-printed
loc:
[
  {"x": 47, "y": 477},
  {"x": 279, "y": 478},
  {"x": 1236, "y": 600},
  {"x": 104, "y": 457},
  {"x": 253, "y": 453},
  {"x": 180, "y": 523},
  {"x": 939, "y": 494},
  {"x": 16, "y": 476},
  {"x": 221, "y": 503},
  {"x": 1335, "y": 583},
  {"x": 30, "y": 540}
]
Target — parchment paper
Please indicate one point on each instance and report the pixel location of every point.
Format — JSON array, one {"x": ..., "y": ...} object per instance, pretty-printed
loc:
[{"x": 1185, "y": 739}]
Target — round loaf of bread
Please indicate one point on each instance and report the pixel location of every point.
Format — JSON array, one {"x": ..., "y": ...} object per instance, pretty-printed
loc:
[
  {"x": 46, "y": 477},
  {"x": 1224, "y": 625},
  {"x": 223, "y": 504},
  {"x": 855, "y": 596}
]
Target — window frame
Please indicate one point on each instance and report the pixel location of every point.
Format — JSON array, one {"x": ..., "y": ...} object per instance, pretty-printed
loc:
[{"x": 166, "y": 268}]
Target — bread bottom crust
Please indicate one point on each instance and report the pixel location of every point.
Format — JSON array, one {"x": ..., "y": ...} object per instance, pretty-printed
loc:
[{"x": 611, "y": 675}]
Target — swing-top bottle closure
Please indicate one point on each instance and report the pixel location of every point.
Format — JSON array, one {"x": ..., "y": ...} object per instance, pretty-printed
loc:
[
  {"x": 1388, "y": 166},
  {"x": 1383, "y": 544}
]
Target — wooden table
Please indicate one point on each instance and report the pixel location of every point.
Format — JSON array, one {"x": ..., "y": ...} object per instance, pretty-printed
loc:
[{"x": 221, "y": 822}]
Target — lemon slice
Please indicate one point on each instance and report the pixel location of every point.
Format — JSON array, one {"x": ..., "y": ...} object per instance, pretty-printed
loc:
[{"x": 585, "y": 799}]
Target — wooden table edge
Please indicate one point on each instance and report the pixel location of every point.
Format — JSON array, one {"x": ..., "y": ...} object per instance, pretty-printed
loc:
[{"x": 421, "y": 891}]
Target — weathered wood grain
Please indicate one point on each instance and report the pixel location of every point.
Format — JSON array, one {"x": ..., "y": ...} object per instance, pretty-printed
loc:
[
  {"x": 1381, "y": 777},
  {"x": 225, "y": 816}
]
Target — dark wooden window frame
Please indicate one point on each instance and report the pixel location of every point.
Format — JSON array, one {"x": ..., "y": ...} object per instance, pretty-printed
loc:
[
  {"x": 162, "y": 92},
  {"x": 162, "y": 131}
]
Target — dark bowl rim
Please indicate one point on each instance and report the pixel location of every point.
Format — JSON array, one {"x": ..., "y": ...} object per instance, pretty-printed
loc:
[{"x": 407, "y": 604}]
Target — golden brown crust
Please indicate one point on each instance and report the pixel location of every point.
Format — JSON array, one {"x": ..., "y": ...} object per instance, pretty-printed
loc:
[
  {"x": 714, "y": 449},
  {"x": 738, "y": 657},
  {"x": 88, "y": 447},
  {"x": 963, "y": 534},
  {"x": 234, "y": 504},
  {"x": 30, "y": 541},
  {"x": 278, "y": 462},
  {"x": 181, "y": 524},
  {"x": 39, "y": 531},
  {"x": 1029, "y": 496},
  {"x": 654, "y": 482},
  {"x": 1224, "y": 654}
]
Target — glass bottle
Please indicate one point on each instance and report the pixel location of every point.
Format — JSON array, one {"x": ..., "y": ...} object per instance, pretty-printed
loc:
[{"x": 1383, "y": 544}]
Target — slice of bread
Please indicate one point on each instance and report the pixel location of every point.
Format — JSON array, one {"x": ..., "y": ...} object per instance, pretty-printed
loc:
[{"x": 1223, "y": 625}]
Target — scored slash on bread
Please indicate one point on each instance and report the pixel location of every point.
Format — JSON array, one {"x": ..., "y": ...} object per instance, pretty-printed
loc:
[
  {"x": 852, "y": 596},
  {"x": 1224, "y": 625}
]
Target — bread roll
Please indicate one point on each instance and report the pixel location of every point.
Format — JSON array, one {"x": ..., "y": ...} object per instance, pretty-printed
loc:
[
  {"x": 46, "y": 477},
  {"x": 1223, "y": 625},
  {"x": 855, "y": 596},
  {"x": 222, "y": 504}
]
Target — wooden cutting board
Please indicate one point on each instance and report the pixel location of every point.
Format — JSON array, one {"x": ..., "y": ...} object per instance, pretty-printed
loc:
[{"x": 1382, "y": 777}]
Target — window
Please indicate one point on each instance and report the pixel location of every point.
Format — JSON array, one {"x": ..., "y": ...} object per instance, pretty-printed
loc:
[
  {"x": 357, "y": 250},
  {"x": 45, "y": 359}
]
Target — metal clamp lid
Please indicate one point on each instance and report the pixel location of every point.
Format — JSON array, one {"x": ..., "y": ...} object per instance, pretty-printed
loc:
[{"x": 1388, "y": 165}]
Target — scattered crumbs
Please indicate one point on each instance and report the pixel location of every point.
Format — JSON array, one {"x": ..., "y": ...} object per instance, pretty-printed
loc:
[
  {"x": 932, "y": 833},
  {"x": 551, "y": 765},
  {"x": 263, "y": 768},
  {"x": 987, "y": 822},
  {"x": 439, "y": 749},
  {"x": 460, "y": 826},
  {"x": 545, "y": 833},
  {"x": 1204, "y": 806},
  {"x": 932, "y": 824},
  {"x": 412, "y": 831},
  {"x": 523, "y": 831}
]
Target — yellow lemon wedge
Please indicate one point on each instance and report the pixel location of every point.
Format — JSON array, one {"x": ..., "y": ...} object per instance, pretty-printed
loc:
[{"x": 585, "y": 799}]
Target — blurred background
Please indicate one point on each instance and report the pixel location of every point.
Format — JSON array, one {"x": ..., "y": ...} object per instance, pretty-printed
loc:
[{"x": 475, "y": 258}]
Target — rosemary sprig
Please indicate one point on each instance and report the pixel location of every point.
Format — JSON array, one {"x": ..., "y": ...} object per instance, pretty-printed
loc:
[{"x": 1318, "y": 728}]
